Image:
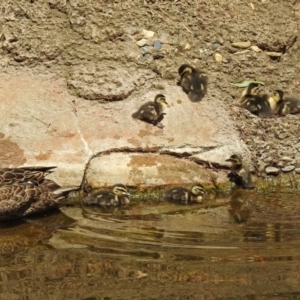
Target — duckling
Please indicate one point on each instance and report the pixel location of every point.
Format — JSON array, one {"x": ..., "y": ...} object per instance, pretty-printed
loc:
[
  {"x": 288, "y": 105},
  {"x": 183, "y": 195},
  {"x": 24, "y": 174},
  {"x": 118, "y": 196},
  {"x": 240, "y": 173},
  {"x": 152, "y": 112},
  {"x": 257, "y": 104},
  {"x": 275, "y": 100},
  {"x": 193, "y": 82}
]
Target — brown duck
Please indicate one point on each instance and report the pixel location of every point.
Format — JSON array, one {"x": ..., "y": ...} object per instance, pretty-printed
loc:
[
  {"x": 193, "y": 82},
  {"x": 25, "y": 191}
]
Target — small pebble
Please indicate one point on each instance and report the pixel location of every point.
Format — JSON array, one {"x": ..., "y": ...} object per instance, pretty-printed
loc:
[
  {"x": 141, "y": 42},
  {"x": 158, "y": 55},
  {"x": 144, "y": 50},
  {"x": 288, "y": 169},
  {"x": 218, "y": 57},
  {"x": 256, "y": 49},
  {"x": 157, "y": 45},
  {"x": 274, "y": 54},
  {"x": 297, "y": 170},
  {"x": 145, "y": 57},
  {"x": 148, "y": 33},
  {"x": 243, "y": 45},
  {"x": 138, "y": 37},
  {"x": 272, "y": 171},
  {"x": 215, "y": 46},
  {"x": 286, "y": 158},
  {"x": 187, "y": 46}
]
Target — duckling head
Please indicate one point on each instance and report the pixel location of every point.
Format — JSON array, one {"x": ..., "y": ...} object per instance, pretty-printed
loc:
[
  {"x": 185, "y": 69},
  {"x": 252, "y": 89},
  {"x": 198, "y": 190},
  {"x": 275, "y": 98},
  {"x": 235, "y": 159},
  {"x": 120, "y": 190},
  {"x": 160, "y": 99},
  {"x": 278, "y": 95}
]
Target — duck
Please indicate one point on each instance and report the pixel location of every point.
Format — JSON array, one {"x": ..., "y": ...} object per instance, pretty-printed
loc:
[
  {"x": 17, "y": 175},
  {"x": 257, "y": 104},
  {"x": 152, "y": 112},
  {"x": 240, "y": 173},
  {"x": 287, "y": 105},
  {"x": 25, "y": 192},
  {"x": 117, "y": 197},
  {"x": 193, "y": 82},
  {"x": 184, "y": 196}
]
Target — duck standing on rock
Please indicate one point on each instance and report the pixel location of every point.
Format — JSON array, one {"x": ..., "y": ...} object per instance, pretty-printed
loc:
[
  {"x": 258, "y": 105},
  {"x": 25, "y": 191},
  {"x": 240, "y": 173},
  {"x": 183, "y": 195},
  {"x": 193, "y": 82},
  {"x": 287, "y": 105},
  {"x": 152, "y": 112},
  {"x": 117, "y": 197}
]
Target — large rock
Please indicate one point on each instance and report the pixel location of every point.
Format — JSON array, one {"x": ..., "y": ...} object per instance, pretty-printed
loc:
[{"x": 43, "y": 124}]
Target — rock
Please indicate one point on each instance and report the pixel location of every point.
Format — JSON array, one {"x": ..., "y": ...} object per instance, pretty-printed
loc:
[
  {"x": 137, "y": 169},
  {"x": 139, "y": 37},
  {"x": 256, "y": 49},
  {"x": 286, "y": 158},
  {"x": 297, "y": 170},
  {"x": 141, "y": 42},
  {"x": 157, "y": 55},
  {"x": 157, "y": 45},
  {"x": 148, "y": 33},
  {"x": 215, "y": 46},
  {"x": 218, "y": 57},
  {"x": 60, "y": 129},
  {"x": 288, "y": 168},
  {"x": 107, "y": 82},
  {"x": 272, "y": 171},
  {"x": 187, "y": 46},
  {"x": 144, "y": 50},
  {"x": 243, "y": 45},
  {"x": 274, "y": 54}
]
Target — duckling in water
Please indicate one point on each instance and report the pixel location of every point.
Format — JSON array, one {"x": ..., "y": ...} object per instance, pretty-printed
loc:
[
  {"x": 193, "y": 82},
  {"x": 240, "y": 173},
  {"x": 258, "y": 105},
  {"x": 152, "y": 112},
  {"x": 117, "y": 197},
  {"x": 183, "y": 195},
  {"x": 288, "y": 105}
]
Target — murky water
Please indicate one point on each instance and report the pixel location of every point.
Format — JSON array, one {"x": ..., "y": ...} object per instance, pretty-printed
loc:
[{"x": 244, "y": 246}]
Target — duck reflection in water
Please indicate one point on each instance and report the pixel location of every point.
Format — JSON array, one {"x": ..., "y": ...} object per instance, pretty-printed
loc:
[{"x": 240, "y": 206}]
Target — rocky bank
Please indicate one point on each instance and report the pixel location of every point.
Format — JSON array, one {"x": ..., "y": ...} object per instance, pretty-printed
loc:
[{"x": 73, "y": 72}]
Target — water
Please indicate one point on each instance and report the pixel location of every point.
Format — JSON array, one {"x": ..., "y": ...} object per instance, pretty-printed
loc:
[{"x": 243, "y": 246}]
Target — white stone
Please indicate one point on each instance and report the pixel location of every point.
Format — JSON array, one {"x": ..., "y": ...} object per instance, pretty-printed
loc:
[
  {"x": 141, "y": 42},
  {"x": 148, "y": 33}
]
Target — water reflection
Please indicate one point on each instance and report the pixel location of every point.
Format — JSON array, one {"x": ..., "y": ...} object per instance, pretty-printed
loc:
[{"x": 240, "y": 246}]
